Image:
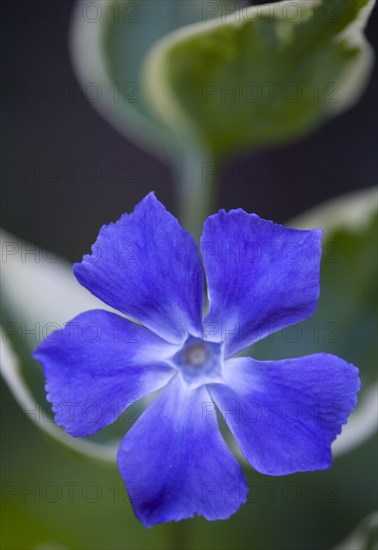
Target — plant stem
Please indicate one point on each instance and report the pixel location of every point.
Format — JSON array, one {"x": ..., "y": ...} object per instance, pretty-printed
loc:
[{"x": 197, "y": 190}]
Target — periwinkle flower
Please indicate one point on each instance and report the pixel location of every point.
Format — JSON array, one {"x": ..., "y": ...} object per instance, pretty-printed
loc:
[{"x": 261, "y": 277}]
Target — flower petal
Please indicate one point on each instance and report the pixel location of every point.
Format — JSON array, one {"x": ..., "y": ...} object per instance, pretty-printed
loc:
[
  {"x": 98, "y": 365},
  {"x": 285, "y": 414},
  {"x": 175, "y": 462},
  {"x": 148, "y": 267},
  {"x": 261, "y": 277}
]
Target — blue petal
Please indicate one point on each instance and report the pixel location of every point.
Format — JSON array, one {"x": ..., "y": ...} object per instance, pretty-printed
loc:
[
  {"x": 98, "y": 365},
  {"x": 175, "y": 463},
  {"x": 285, "y": 414},
  {"x": 148, "y": 267},
  {"x": 261, "y": 277}
]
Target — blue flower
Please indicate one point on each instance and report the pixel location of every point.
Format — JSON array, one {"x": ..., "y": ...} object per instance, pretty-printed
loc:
[{"x": 260, "y": 277}]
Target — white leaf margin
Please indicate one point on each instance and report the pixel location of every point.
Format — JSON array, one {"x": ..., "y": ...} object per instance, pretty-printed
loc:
[
  {"x": 39, "y": 290},
  {"x": 89, "y": 64},
  {"x": 352, "y": 211},
  {"x": 358, "y": 538},
  {"x": 10, "y": 371}
]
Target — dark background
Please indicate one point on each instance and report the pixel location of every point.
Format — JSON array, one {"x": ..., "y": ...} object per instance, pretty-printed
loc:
[{"x": 60, "y": 158}]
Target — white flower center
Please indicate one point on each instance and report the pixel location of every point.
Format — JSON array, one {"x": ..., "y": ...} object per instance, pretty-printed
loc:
[{"x": 199, "y": 362}]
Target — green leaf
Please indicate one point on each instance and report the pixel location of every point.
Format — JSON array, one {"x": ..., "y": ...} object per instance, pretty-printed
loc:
[
  {"x": 262, "y": 76},
  {"x": 109, "y": 40},
  {"x": 36, "y": 410}
]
